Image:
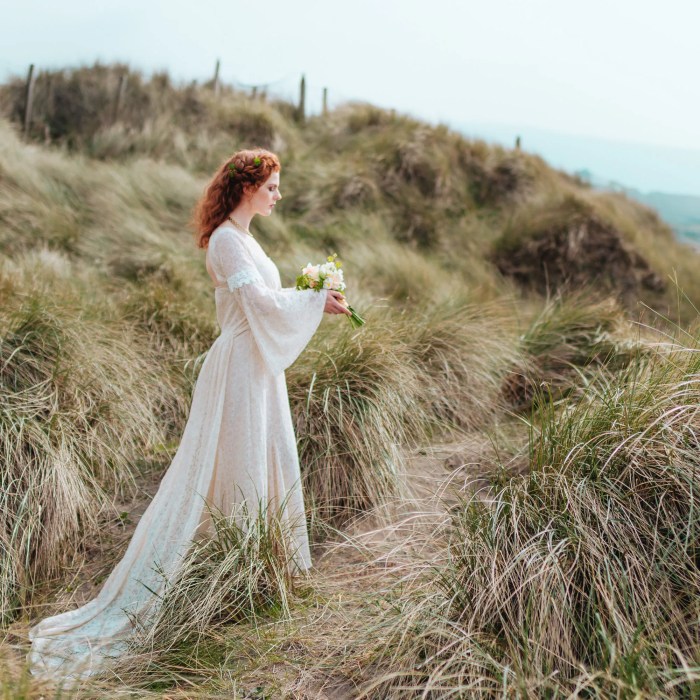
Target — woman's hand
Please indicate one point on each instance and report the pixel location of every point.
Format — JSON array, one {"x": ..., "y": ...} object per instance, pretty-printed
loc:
[{"x": 335, "y": 303}]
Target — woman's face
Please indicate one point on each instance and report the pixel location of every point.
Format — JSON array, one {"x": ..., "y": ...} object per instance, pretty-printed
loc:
[{"x": 263, "y": 200}]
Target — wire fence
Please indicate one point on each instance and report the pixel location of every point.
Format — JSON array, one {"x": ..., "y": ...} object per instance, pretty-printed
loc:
[
  {"x": 293, "y": 88},
  {"x": 307, "y": 97}
]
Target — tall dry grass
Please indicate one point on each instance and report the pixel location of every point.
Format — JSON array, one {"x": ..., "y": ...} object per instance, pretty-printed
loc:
[
  {"x": 403, "y": 380},
  {"x": 74, "y": 110},
  {"x": 567, "y": 342},
  {"x": 244, "y": 574},
  {"x": 90, "y": 397},
  {"x": 82, "y": 402},
  {"x": 577, "y": 579}
]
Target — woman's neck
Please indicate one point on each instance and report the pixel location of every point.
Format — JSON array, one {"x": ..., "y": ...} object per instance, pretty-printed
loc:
[{"x": 242, "y": 216}]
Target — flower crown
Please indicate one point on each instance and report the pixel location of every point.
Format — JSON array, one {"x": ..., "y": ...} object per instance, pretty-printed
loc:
[{"x": 232, "y": 168}]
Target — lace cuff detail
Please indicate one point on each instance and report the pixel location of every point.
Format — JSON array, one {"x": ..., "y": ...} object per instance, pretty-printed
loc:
[{"x": 247, "y": 276}]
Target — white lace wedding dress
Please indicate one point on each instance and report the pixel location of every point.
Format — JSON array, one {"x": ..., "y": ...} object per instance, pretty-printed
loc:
[{"x": 238, "y": 444}]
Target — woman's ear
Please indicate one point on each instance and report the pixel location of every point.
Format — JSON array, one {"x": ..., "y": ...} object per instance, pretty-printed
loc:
[{"x": 248, "y": 191}]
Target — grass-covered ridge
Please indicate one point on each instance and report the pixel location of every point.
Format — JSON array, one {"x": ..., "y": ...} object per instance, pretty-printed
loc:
[{"x": 498, "y": 292}]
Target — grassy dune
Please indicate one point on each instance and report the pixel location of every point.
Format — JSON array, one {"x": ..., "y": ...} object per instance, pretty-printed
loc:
[{"x": 503, "y": 298}]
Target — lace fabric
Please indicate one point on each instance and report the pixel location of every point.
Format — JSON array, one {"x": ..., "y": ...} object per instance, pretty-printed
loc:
[{"x": 249, "y": 276}]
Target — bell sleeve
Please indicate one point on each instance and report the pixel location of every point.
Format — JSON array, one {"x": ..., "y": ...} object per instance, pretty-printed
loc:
[{"x": 282, "y": 320}]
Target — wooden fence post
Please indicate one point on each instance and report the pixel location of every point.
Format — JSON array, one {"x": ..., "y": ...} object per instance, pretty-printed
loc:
[
  {"x": 302, "y": 100},
  {"x": 119, "y": 97},
  {"x": 50, "y": 98},
  {"x": 217, "y": 84},
  {"x": 325, "y": 101},
  {"x": 49, "y": 110},
  {"x": 29, "y": 99}
]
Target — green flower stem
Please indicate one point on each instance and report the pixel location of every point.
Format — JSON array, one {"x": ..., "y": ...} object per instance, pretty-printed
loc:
[{"x": 355, "y": 319}]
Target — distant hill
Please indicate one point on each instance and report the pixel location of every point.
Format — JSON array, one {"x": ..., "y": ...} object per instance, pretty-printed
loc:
[
  {"x": 645, "y": 168},
  {"x": 680, "y": 211}
]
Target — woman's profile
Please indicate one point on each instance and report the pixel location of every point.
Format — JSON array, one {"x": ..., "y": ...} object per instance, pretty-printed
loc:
[{"x": 238, "y": 442}]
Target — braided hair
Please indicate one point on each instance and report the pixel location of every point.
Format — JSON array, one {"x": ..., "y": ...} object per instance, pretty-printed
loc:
[{"x": 241, "y": 174}]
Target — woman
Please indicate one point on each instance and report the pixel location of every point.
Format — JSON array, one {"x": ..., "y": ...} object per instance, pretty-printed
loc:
[{"x": 238, "y": 443}]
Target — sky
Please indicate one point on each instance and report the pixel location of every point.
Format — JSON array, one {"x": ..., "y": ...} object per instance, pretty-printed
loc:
[{"x": 609, "y": 71}]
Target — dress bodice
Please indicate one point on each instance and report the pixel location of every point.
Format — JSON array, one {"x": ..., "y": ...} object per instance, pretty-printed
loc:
[
  {"x": 249, "y": 296},
  {"x": 229, "y": 311}
]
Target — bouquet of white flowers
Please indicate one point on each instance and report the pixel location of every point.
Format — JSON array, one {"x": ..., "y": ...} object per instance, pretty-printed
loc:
[{"x": 328, "y": 275}]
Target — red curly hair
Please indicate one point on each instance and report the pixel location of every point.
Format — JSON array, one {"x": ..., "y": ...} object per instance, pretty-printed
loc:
[{"x": 225, "y": 191}]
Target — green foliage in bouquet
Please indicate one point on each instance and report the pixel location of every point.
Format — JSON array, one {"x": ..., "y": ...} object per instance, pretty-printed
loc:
[{"x": 328, "y": 275}]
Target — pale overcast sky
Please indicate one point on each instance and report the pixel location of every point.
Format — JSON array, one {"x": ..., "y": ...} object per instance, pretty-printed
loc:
[{"x": 611, "y": 69}]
